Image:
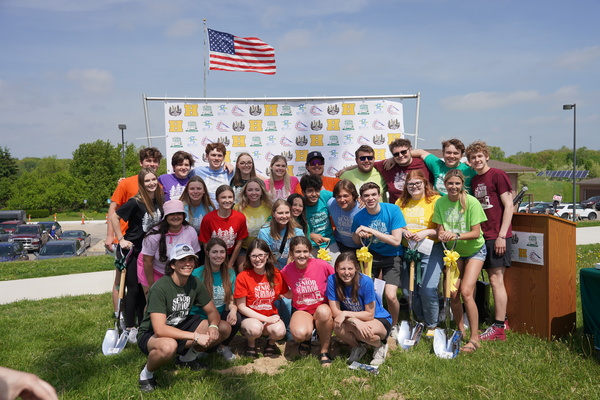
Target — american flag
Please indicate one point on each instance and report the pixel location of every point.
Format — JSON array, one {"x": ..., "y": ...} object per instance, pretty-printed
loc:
[{"x": 232, "y": 53}]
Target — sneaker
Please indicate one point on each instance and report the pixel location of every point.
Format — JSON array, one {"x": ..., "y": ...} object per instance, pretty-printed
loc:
[
  {"x": 356, "y": 353},
  {"x": 194, "y": 365},
  {"x": 132, "y": 335},
  {"x": 380, "y": 354},
  {"x": 506, "y": 327},
  {"x": 227, "y": 354},
  {"x": 430, "y": 333},
  {"x": 493, "y": 333},
  {"x": 394, "y": 332},
  {"x": 147, "y": 385}
]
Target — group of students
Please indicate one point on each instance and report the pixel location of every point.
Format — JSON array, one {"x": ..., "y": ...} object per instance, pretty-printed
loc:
[{"x": 252, "y": 243}]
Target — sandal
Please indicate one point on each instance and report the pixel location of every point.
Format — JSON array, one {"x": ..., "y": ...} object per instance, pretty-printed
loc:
[
  {"x": 470, "y": 347},
  {"x": 325, "y": 359},
  {"x": 271, "y": 350},
  {"x": 251, "y": 352},
  {"x": 304, "y": 348}
]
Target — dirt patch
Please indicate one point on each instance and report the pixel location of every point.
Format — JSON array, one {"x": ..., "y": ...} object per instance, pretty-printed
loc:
[{"x": 391, "y": 395}]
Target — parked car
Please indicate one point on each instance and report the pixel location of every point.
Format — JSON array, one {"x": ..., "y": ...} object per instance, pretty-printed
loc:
[
  {"x": 4, "y": 235},
  {"x": 61, "y": 249},
  {"x": 78, "y": 234},
  {"x": 12, "y": 252},
  {"x": 13, "y": 215},
  {"x": 593, "y": 202},
  {"x": 524, "y": 206},
  {"x": 543, "y": 207},
  {"x": 10, "y": 226},
  {"x": 53, "y": 228},
  {"x": 32, "y": 237},
  {"x": 566, "y": 211}
]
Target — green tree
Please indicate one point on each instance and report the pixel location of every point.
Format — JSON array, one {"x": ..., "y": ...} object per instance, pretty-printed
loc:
[
  {"x": 8, "y": 164},
  {"x": 496, "y": 153}
]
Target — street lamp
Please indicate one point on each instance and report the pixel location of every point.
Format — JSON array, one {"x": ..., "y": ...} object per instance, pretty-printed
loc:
[
  {"x": 574, "y": 108},
  {"x": 122, "y": 127}
]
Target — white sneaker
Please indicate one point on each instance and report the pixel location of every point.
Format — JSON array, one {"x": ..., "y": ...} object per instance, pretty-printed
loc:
[
  {"x": 394, "y": 332},
  {"x": 356, "y": 353},
  {"x": 132, "y": 336},
  {"x": 380, "y": 354},
  {"x": 227, "y": 354}
]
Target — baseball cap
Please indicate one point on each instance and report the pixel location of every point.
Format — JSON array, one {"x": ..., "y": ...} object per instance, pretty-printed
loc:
[
  {"x": 181, "y": 250},
  {"x": 172, "y": 207},
  {"x": 314, "y": 154}
]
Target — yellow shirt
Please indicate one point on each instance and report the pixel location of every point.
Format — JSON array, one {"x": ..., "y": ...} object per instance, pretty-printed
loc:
[
  {"x": 255, "y": 219},
  {"x": 419, "y": 214}
]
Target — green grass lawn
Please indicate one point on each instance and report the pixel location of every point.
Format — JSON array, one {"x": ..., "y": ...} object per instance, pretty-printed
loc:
[{"x": 55, "y": 267}]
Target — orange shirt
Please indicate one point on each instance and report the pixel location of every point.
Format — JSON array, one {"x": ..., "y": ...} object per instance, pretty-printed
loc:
[
  {"x": 328, "y": 184},
  {"x": 125, "y": 190}
]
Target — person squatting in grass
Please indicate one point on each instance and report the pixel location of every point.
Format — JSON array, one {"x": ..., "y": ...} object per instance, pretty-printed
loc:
[
  {"x": 307, "y": 279},
  {"x": 417, "y": 204},
  {"x": 219, "y": 280},
  {"x": 225, "y": 223},
  {"x": 459, "y": 216},
  {"x": 359, "y": 318},
  {"x": 491, "y": 186},
  {"x": 382, "y": 223},
  {"x": 280, "y": 184},
  {"x": 255, "y": 203},
  {"x": 159, "y": 241},
  {"x": 257, "y": 288},
  {"x": 168, "y": 328},
  {"x": 141, "y": 212}
]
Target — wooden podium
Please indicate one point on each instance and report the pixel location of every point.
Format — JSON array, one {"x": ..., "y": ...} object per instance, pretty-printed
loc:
[{"x": 542, "y": 298}]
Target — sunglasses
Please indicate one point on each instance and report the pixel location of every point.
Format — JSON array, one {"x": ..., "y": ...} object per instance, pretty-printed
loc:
[
  {"x": 314, "y": 163},
  {"x": 365, "y": 158},
  {"x": 403, "y": 152}
]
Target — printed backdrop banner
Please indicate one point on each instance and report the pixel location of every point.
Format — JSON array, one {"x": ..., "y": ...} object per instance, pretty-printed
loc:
[{"x": 290, "y": 128}]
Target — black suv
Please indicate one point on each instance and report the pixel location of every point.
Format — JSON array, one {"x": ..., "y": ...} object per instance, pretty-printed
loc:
[{"x": 592, "y": 202}]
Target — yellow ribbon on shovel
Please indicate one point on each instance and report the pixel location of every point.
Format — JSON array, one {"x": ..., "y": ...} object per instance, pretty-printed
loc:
[
  {"x": 365, "y": 258},
  {"x": 323, "y": 253},
  {"x": 451, "y": 263}
]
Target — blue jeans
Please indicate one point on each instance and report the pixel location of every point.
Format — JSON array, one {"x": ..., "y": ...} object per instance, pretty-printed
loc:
[
  {"x": 425, "y": 296},
  {"x": 284, "y": 308}
]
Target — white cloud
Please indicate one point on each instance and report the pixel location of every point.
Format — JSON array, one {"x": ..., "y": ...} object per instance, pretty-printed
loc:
[
  {"x": 93, "y": 80},
  {"x": 488, "y": 100},
  {"x": 183, "y": 28},
  {"x": 295, "y": 39},
  {"x": 579, "y": 59}
]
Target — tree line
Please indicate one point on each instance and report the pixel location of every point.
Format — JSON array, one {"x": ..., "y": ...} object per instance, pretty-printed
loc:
[{"x": 92, "y": 173}]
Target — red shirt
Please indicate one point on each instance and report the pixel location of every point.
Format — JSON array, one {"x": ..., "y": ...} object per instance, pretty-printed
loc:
[
  {"x": 487, "y": 188},
  {"x": 396, "y": 177},
  {"x": 257, "y": 291},
  {"x": 230, "y": 229}
]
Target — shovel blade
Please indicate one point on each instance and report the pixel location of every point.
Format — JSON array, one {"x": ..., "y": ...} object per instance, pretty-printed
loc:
[
  {"x": 110, "y": 340},
  {"x": 119, "y": 344},
  {"x": 446, "y": 346},
  {"x": 404, "y": 335}
]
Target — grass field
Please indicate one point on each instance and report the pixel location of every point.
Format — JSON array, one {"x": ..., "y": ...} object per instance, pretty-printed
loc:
[{"x": 60, "y": 340}]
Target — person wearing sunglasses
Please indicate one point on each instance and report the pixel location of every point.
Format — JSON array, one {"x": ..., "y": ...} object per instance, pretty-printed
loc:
[
  {"x": 315, "y": 166},
  {"x": 365, "y": 171}
]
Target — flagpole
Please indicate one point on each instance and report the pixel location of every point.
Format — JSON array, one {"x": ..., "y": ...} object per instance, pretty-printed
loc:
[{"x": 204, "y": 54}]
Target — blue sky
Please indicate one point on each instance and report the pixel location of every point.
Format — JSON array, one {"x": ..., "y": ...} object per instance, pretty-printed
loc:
[{"x": 499, "y": 71}]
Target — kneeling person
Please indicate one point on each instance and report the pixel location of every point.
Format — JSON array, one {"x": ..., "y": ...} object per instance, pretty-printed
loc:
[{"x": 168, "y": 328}]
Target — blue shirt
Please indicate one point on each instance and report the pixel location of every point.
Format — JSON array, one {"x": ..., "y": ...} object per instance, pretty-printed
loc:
[
  {"x": 366, "y": 295},
  {"x": 343, "y": 222},
  {"x": 388, "y": 219},
  {"x": 213, "y": 179},
  {"x": 275, "y": 245},
  {"x": 318, "y": 217}
]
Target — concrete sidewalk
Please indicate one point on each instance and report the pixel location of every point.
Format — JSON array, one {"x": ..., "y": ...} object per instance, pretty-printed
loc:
[{"x": 56, "y": 286}]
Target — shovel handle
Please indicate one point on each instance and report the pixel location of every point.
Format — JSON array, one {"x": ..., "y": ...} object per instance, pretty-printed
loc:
[
  {"x": 448, "y": 283},
  {"x": 411, "y": 279},
  {"x": 122, "y": 284}
]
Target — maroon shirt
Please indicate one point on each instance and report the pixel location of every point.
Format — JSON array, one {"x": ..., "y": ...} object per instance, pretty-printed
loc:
[
  {"x": 488, "y": 188},
  {"x": 396, "y": 177}
]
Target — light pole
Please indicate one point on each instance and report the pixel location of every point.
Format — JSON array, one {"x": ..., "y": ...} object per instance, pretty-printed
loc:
[
  {"x": 122, "y": 127},
  {"x": 574, "y": 108}
]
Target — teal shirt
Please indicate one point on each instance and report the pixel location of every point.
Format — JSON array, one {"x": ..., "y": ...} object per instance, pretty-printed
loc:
[
  {"x": 218, "y": 294},
  {"x": 438, "y": 169}
]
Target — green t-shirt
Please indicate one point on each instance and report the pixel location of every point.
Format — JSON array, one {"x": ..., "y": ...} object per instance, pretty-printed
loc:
[
  {"x": 359, "y": 178},
  {"x": 438, "y": 169},
  {"x": 448, "y": 213},
  {"x": 165, "y": 297}
]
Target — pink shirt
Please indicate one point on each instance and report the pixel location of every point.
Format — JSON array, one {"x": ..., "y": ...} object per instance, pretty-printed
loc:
[
  {"x": 186, "y": 235},
  {"x": 308, "y": 285},
  {"x": 280, "y": 192}
]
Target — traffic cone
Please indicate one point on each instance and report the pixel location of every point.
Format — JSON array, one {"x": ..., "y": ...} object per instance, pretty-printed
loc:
[
  {"x": 29, "y": 218},
  {"x": 82, "y": 219},
  {"x": 106, "y": 222},
  {"x": 54, "y": 217}
]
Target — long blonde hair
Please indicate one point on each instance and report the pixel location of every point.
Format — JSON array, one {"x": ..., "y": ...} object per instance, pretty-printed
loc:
[
  {"x": 265, "y": 197},
  {"x": 462, "y": 196},
  {"x": 205, "y": 200},
  {"x": 291, "y": 225},
  {"x": 143, "y": 195},
  {"x": 286, "y": 178}
]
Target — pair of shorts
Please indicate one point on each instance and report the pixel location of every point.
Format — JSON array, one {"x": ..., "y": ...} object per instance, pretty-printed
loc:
[
  {"x": 387, "y": 325},
  {"x": 141, "y": 273},
  {"x": 479, "y": 255},
  {"x": 190, "y": 325},
  {"x": 494, "y": 260},
  {"x": 389, "y": 266}
]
